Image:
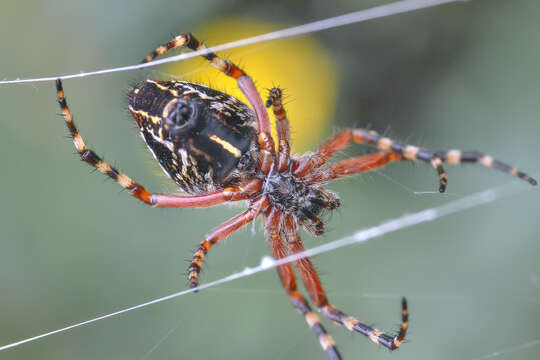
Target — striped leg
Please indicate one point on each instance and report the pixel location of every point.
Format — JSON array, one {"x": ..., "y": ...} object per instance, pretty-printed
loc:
[
  {"x": 313, "y": 285},
  {"x": 245, "y": 83},
  {"x": 275, "y": 98},
  {"x": 377, "y": 336},
  {"x": 458, "y": 156},
  {"x": 241, "y": 192},
  {"x": 408, "y": 152},
  {"x": 273, "y": 222},
  {"x": 344, "y": 138},
  {"x": 220, "y": 233}
]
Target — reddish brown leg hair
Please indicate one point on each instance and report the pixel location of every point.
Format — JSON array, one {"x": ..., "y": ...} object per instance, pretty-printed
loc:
[
  {"x": 220, "y": 233},
  {"x": 408, "y": 152},
  {"x": 275, "y": 98},
  {"x": 245, "y": 83},
  {"x": 313, "y": 285},
  {"x": 273, "y": 223},
  {"x": 344, "y": 138},
  {"x": 354, "y": 165}
]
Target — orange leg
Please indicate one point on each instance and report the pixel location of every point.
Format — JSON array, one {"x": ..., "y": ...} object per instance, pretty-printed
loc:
[
  {"x": 344, "y": 138},
  {"x": 313, "y": 285},
  {"x": 352, "y": 166},
  {"x": 243, "y": 191},
  {"x": 275, "y": 98},
  {"x": 408, "y": 152},
  {"x": 220, "y": 233},
  {"x": 273, "y": 222}
]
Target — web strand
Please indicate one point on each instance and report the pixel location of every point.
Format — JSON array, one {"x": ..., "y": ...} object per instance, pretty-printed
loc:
[
  {"x": 267, "y": 263},
  {"x": 510, "y": 349},
  {"x": 394, "y": 8}
]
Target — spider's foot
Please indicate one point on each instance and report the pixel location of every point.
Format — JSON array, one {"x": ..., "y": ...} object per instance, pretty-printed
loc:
[
  {"x": 436, "y": 162},
  {"x": 194, "y": 286},
  {"x": 193, "y": 276},
  {"x": 442, "y": 186}
]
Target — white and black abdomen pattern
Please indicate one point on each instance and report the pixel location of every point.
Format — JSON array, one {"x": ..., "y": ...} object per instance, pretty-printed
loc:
[{"x": 198, "y": 135}]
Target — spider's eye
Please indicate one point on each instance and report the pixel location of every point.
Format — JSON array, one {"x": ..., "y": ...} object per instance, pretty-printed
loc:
[{"x": 179, "y": 112}]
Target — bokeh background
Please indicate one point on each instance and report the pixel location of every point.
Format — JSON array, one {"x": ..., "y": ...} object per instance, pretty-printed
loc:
[{"x": 73, "y": 246}]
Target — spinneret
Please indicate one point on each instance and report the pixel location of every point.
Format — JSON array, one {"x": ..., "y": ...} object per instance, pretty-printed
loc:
[{"x": 219, "y": 150}]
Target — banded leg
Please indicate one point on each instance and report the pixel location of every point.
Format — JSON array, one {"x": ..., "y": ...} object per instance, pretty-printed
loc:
[
  {"x": 408, "y": 152},
  {"x": 245, "y": 83},
  {"x": 313, "y": 285},
  {"x": 220, "y": 233},
  {"x": 378, "y": 337},
  {"x": 241, "y": 192},
  {"x": 275, "y": 98},
  {"x": 273, "y": 220},
  {"x": 458, "y": 156},
  {"x": 344, "y": 138}
]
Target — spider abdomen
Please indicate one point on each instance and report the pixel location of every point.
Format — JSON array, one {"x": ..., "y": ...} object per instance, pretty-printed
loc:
[{"x": 199, "y": 136}]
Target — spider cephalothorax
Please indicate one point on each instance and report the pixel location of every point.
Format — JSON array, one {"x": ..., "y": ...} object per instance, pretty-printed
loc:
[
  {"x": 220, "y": 150},
  {"x": 293, "y": 195}
]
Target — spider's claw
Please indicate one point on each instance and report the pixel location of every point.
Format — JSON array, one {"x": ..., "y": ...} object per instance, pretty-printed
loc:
[
  {"x": 442, "y": 186},
  {"x": 194, "y": 286}
]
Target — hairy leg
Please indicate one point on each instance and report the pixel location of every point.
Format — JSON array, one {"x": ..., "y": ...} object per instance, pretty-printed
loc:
[
  {"x": 352, "y": 166},
  {"x": 313, "y": 285},
  {"x": 273, "y": 224},
  {"x": 408, "y": 152},
  {"x": 220, "y": 233},
  {"x": 275, "y": 99}
]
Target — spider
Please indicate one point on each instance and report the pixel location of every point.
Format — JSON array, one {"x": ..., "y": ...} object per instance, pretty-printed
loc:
[{"x": 219, "y": 150}]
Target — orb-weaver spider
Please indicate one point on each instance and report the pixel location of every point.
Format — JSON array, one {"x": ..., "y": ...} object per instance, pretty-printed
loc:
[{"x": 218, "y": 149}]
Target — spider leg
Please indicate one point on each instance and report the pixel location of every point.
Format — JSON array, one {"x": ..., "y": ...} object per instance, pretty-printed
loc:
[
  {"x": 344, "y": 138},
  {"x": 275, "y": 97},
  {"x": 245, "y": 83},
  {"x": 241, "y": 192},
  {"x": 220, "y": 233},
  {"x": 351, "y": 166},
  {"x": 273, "y": 223},
  {"x": 408, "y": 152},
  {"x": 312, "y": 283}
]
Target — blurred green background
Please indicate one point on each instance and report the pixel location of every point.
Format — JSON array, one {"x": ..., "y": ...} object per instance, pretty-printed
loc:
[{"x": 73, "y": 246}]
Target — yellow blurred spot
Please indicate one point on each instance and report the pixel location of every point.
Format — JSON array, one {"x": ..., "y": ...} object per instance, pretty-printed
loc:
[{"x": 301, "y": 66}]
